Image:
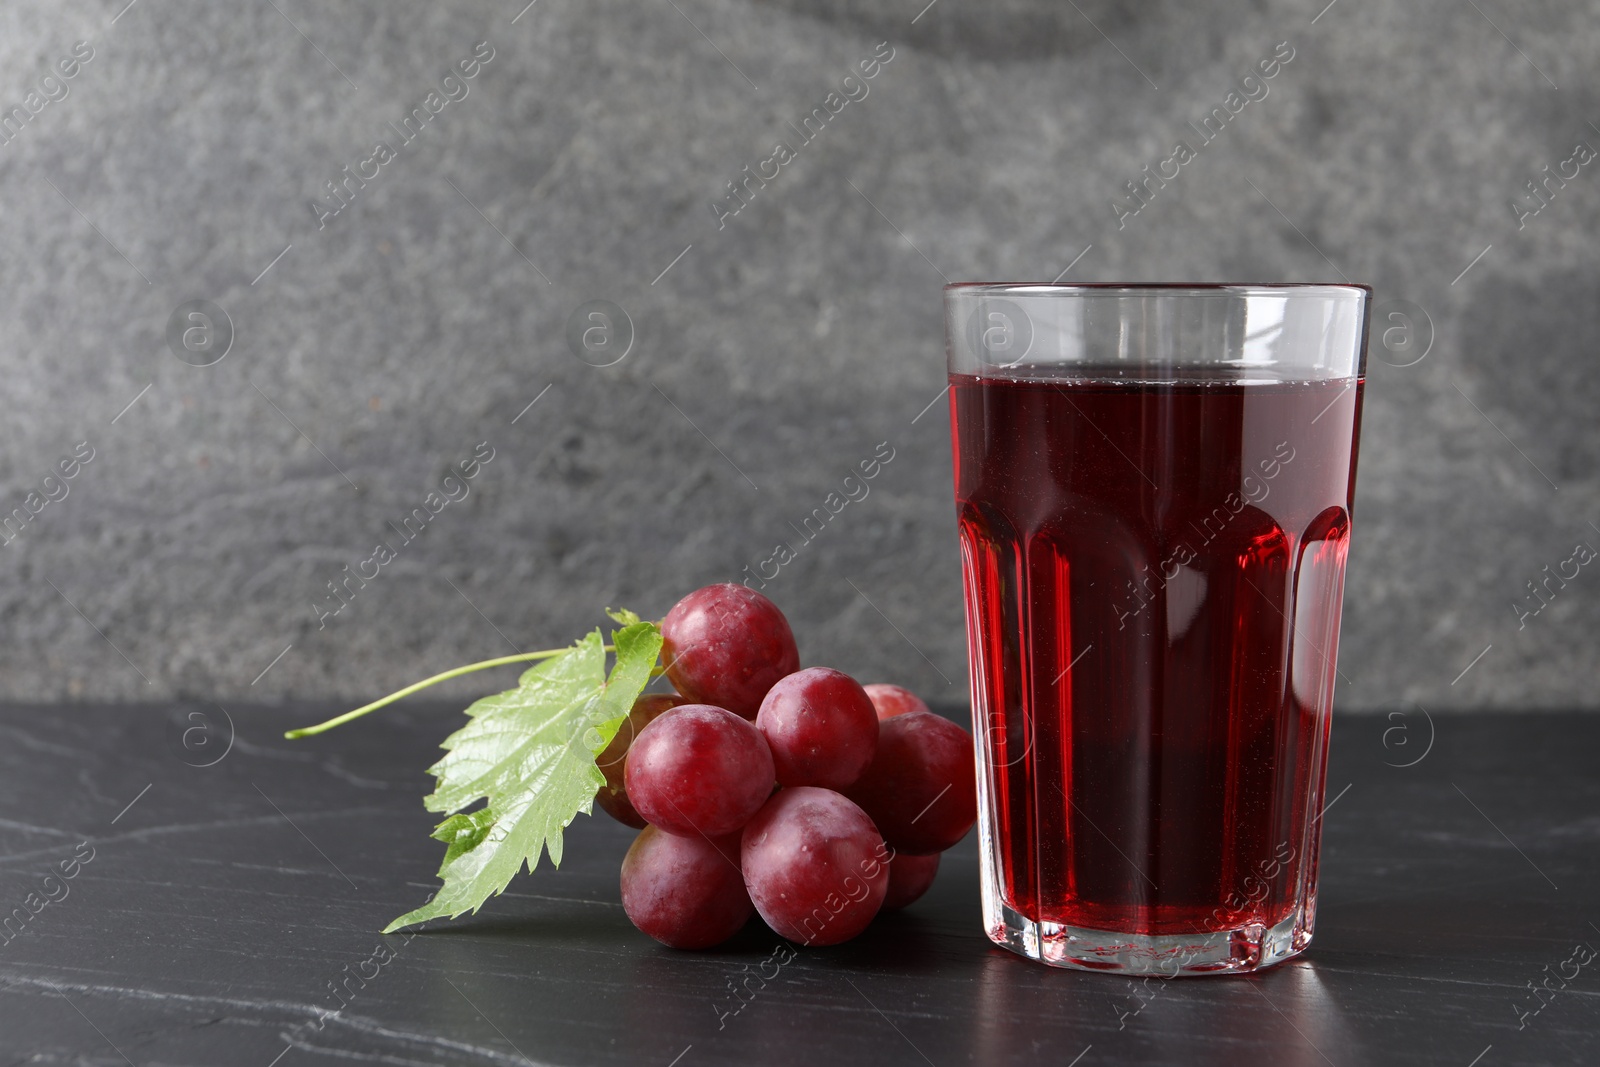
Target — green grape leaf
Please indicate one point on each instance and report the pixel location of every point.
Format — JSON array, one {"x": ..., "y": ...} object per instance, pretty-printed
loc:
[{"x": 529, "y": 753}]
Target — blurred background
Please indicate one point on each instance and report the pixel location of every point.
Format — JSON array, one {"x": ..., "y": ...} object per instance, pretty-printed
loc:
[{"x": 372, "y": 318}]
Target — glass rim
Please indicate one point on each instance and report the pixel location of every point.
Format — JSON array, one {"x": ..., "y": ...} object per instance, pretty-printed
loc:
[{"x": 1199, "y": 289}]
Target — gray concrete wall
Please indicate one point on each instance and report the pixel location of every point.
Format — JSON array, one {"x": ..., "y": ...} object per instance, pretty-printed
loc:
[{"x": 783, "y": 344}]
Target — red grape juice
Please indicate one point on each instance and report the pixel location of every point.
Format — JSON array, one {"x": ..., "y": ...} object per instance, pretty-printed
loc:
[{"x": 1153, "y": 583}]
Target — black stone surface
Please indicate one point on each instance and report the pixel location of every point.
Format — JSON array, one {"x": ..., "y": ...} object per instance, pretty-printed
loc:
[{"x": 219, "y": 907}]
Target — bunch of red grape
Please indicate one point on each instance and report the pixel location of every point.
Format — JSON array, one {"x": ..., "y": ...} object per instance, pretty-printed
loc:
[{"x": 798, "y": 794}]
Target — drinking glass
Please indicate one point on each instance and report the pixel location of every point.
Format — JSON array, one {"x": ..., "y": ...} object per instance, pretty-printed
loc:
[{"x": 1153, "y": 485}]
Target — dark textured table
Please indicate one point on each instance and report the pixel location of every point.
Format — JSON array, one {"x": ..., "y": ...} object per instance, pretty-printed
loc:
[{"x": 214, "y": 909}]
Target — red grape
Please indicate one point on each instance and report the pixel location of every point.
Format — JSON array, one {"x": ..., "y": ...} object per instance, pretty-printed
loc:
[
  {"x": 909, "y": 878},
  {"x": 613, "y": 796},
  {"x": 726, "y": 645},
  {"x": 891, "y": 700},
  {"x": 816, "y": 868},
  {"x": 820, "y": 726},
  {"x": 921, "y": 789},
  {"x": 699, "y": 771},
  {"x": 686, "y": 892}
]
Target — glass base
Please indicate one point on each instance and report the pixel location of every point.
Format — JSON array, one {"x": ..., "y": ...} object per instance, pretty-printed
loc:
[{"x": 1238, "y": 951}]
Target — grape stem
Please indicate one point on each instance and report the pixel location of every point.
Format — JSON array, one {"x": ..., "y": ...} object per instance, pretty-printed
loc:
[{"x": 524, "y": 657}]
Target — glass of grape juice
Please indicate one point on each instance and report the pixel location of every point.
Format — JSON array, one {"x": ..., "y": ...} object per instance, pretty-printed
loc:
[{"x": 1153, "y": 485}]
